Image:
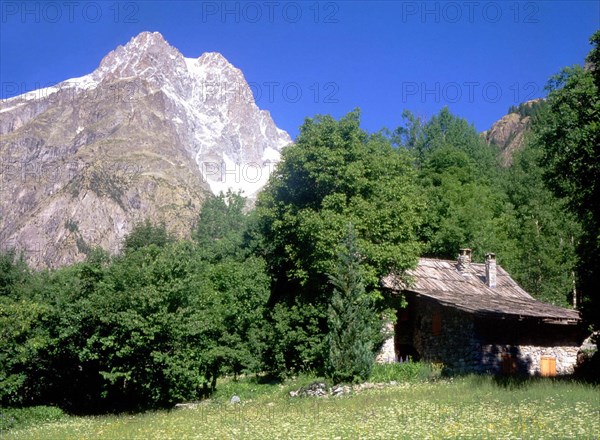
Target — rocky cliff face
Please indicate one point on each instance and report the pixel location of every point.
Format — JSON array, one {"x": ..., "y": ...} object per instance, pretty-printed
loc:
[
  {"x": 146, "y": 135},
  {"x": 508, "y": 133}
]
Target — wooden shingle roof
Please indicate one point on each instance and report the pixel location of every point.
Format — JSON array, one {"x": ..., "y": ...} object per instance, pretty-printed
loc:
[{"x": 441, "y": 281}]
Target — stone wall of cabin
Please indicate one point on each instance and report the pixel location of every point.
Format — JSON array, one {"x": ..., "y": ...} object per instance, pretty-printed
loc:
[
  {"x": 464, "y": 343},
  {"x": 530, "y": 358},
  {"x": 528, "y": 342},
  {"x": 566, "y": 358},
  {"x": 455, "y": 345},
  {"x": 387, "y": 354}
]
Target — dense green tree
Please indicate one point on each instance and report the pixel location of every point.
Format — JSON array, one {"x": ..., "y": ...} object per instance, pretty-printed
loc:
[
  {"x": 147, "y": 233},
  {"x": 447, "y": 132},
  {"x": 568, "y": 131},
  {"x": 243, "y": 289},
  {"x": 154, "y": 326},
  {"x": 334, "y": 174},
  {"x": 188, "y": 318},
  {"x": 222, "y": 227},
  {"x": 155, "y": 320},
  {"x": 13, "y": 273},
  {"x": 22, "y": 338},
  {"x": 223, "y": 239},
  {"x": 546, "y": 233},
  {"x": 458, "y": 172},
  {"x": 36, "y": 342}
]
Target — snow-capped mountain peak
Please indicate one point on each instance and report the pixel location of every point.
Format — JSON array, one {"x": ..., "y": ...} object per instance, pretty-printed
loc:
[
  {"x": 234, "y": 143},
  {"x": 186, "y": 125}
]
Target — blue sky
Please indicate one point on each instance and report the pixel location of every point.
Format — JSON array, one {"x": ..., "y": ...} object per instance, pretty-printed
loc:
[{"x": 306, "y": 58}]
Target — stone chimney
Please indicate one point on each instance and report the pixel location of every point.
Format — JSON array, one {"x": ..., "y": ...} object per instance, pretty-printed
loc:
[
  {"x": 490, "y": 270},
  {"x": 464, "y": 260}
]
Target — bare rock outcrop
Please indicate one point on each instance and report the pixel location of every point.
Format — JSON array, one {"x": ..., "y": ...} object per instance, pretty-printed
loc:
[{"x": 508, "y": 134}]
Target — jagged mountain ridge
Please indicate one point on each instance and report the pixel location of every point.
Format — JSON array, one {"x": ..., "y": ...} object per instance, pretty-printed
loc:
[
  {"x": 508, "y": 133},
  {"x": 148, "y": 134}
]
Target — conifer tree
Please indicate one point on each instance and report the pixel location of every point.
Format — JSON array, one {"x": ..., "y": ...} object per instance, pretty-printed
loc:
[{"x": 352, "y": 320}]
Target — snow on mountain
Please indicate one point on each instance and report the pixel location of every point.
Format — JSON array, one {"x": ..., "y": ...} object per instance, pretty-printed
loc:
[
  {"x": 234, "y": 143},
  {"x": 146, "y": 135}
]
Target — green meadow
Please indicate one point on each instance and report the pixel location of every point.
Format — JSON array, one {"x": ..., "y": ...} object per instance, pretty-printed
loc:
[{"x": 428, "y": 408}]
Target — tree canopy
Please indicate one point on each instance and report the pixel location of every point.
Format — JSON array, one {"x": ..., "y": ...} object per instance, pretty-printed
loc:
[
  {"x": 568, "y": 133},
  {"x": 334, "y": 175}
]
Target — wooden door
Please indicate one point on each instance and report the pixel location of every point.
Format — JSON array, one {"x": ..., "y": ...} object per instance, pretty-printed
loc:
[{"x": 548, "y": 366}]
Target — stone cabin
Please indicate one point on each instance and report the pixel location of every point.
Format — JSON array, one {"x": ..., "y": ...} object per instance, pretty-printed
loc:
[{"x": 475, "y": 318}]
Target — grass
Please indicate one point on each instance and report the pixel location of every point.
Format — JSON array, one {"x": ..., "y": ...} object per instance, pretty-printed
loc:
[
  {"x": 406, "y": 372},
  {"x": 466, "y": 407},
  {"x": 25, "y": 417}
]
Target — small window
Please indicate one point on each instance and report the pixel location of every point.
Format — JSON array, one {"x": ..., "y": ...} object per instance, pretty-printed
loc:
[
  {"x": 509, "y": 364},
  {"x": 436, "y": 324},
  {"x": 548, "y": 366}
]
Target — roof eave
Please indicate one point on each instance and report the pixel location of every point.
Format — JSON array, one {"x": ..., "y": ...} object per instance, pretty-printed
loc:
[{"x": 548, "y": 319}]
